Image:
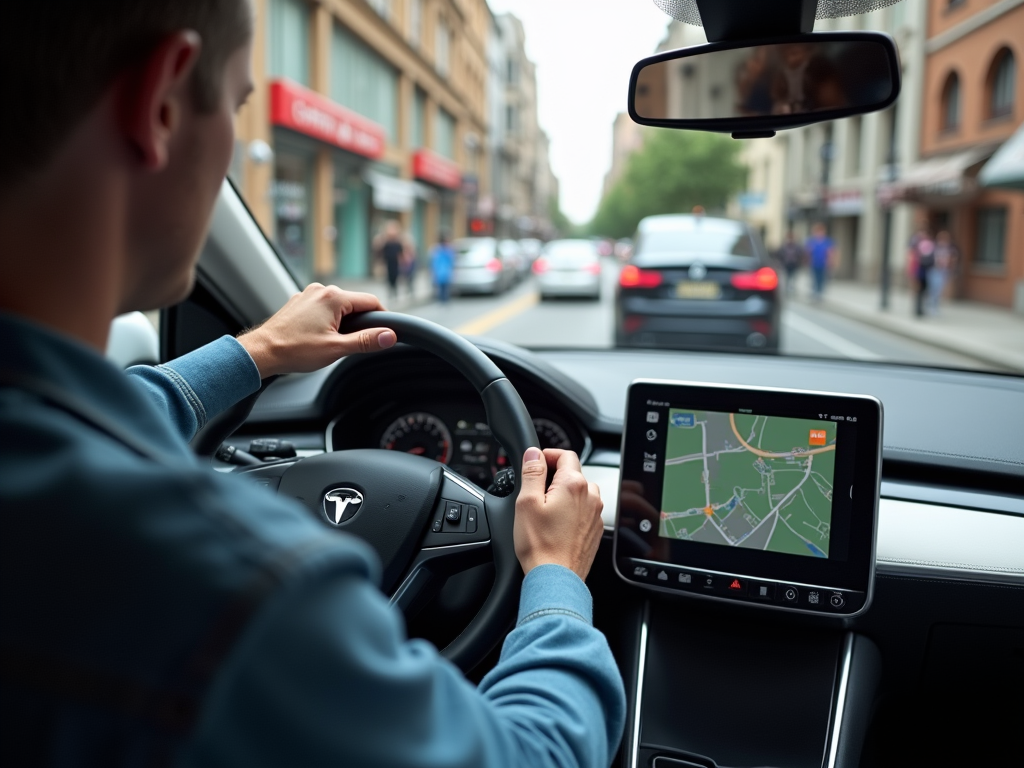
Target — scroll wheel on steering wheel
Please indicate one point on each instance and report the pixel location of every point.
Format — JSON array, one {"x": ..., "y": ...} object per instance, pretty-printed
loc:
[{"x": 504, "y": 483}]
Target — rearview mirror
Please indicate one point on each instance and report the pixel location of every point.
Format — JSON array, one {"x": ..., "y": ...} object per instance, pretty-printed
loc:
[{"x": 754, "y": 89}]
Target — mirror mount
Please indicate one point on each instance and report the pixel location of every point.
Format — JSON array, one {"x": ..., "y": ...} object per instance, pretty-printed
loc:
[{"x": 753, "y": 19}]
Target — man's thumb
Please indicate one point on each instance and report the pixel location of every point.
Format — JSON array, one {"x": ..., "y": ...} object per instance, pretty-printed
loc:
[
  {"x": 535, "y": 473},
  {"x": 370, "y": 340}
]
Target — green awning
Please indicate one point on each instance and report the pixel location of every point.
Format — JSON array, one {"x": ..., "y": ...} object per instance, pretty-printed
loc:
[{"x": 1006, "y": 168}]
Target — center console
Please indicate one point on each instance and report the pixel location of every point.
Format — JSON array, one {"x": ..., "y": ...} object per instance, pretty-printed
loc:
[{"x": 748, "y": 516}]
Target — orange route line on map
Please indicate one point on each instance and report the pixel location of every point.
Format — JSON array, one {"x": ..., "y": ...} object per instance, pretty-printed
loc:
[{"x": 768, "y": 455}]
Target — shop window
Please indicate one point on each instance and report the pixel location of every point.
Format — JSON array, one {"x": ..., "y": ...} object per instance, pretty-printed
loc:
[
  {"x": 288, "y": 40},
  {"x": 991, "y": 250},
  {"x": 442, "y": 40},
  {"x": 1002, "y": 82},
  {"x": 362, "y": 81},
  {"x": 510, "y": 118},
  {"x": 444, "y": 134},
  {"x": 951, "y": 103},
  {"x": 291, "y": 192}
]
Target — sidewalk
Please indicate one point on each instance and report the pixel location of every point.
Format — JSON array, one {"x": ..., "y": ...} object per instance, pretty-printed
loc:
[
  {"x": 990, "y": 334},
  {"x": 422, "y": 293}
]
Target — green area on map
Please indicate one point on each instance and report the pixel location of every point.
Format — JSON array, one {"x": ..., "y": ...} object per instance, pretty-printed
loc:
[{"x": 742, "y": 480}]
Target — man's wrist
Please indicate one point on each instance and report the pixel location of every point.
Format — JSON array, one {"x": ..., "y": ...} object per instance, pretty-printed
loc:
[{"x": 260, "y": 349}]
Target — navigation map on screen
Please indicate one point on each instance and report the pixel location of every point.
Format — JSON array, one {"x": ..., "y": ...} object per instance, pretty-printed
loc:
[{"x": 743, "y": 480}]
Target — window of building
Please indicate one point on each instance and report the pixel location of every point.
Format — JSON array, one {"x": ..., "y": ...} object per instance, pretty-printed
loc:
[
  {"x": 418, "y": 115},
  {"x": 991, "y": 250},
  {"x": 853, "y": 142},
  {"x": 444, "y": 133},
  {"x": 363, "y": 81},
  {"x": 382, "y": 7},
  {"x": 1002, "y": 84},
  {"x": 414, "y": 30},
  {"x": 288, "y": 40},
  {"x": 510, "y": 118},
  {"x": 511, "y": 71},
  {"x": 951, "y": 103},
  {"x": 442, "y": 41}
]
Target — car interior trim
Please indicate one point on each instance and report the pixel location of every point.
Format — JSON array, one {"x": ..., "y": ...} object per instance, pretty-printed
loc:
[
  {"x": 840, "y": 702},
  {"x": 468, "y": 487},
  {"x": 634, "y": 746}
]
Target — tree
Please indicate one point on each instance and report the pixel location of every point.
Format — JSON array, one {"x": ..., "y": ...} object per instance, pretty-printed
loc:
[
  {"x": 561, "y": 222},
  {"x": 675, "y": 171}
]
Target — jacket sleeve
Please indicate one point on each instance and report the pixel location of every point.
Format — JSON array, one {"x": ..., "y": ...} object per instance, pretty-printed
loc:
[
  {"x": 326, "y": 677},
  {"x": 195, "y": 387}
]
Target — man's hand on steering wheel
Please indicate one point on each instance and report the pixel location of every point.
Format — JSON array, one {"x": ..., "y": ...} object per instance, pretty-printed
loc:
[
  {"x": 561, "y": 525},
  {"x": 303, "y": 335}
]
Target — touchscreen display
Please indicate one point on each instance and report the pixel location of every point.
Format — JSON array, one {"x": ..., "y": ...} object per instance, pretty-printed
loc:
[{"x": 748, "y": 480}]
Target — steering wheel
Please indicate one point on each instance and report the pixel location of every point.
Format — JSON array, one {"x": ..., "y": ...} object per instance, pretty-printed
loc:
[{"x": 425, "y": 522}]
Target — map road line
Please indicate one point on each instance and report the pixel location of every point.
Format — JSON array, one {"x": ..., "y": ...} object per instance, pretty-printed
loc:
[{"x": 766, "y": 454}]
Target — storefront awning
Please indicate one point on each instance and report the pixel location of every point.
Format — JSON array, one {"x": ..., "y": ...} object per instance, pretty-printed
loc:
[
  {"x": 391, "y": 193},
  {"x": 942, "y": 176},
  {"x": 1006, "y": 168}
]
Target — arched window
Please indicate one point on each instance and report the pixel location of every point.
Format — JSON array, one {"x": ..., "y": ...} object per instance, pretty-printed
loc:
[
  {"x": 1002, "y": 84},
  {"x": 951, "y": 103}
]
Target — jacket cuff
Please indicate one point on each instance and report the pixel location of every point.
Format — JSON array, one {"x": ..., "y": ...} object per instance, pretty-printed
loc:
[
  {"x": 214, "y": 377},
  {"x": 554, "y": 590}
]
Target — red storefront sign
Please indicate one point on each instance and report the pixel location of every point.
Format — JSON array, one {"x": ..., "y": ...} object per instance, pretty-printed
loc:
[
  {"x": 432, "y": 168},
  {"x": 309, "y": 113}
]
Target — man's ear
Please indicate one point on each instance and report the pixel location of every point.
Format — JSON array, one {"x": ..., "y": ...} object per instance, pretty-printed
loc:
[{"x": 154, "y": 96}]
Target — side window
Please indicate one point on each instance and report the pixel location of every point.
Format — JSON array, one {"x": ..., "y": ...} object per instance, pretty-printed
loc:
[
  {"x": 1002, "y": 82},
  {"x": 951, "y": 103}
]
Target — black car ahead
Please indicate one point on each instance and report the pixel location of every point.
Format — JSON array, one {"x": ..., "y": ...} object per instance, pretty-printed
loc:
[{"x": 697, "y": 282}]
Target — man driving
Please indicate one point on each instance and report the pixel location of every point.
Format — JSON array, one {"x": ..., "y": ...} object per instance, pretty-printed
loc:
[{"x": 156, "y": 611}]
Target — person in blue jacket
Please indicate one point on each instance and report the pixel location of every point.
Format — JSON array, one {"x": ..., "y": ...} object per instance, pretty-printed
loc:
[
  {"x": 442, "y": 263},
  {"x": 157, "y": 612}
]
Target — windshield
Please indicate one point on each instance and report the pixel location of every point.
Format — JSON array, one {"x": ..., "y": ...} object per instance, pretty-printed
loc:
[{"x": 895, "y": 236}]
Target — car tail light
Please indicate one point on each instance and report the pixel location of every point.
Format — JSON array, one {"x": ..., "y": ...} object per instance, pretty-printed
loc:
[
  {"x": 763, "y": 279},
  {"x": 594, "y": 269},
  {"x": 633, "y": 277},
  {"x": 540, "y": 265},
  {"x": 494, "y": 265}
]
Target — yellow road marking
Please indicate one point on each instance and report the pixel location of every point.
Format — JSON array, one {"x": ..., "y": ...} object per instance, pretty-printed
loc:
[{"x": 496, "y": 317}]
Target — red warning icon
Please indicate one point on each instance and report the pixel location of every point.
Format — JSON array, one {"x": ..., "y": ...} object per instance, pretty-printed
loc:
[{"x": 735, "y": 584}]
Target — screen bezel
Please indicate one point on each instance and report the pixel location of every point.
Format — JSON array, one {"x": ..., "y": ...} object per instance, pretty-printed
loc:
[{"x": 852, "y": 570}]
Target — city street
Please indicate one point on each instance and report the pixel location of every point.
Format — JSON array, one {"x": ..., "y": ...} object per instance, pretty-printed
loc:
[{"x": 520, "y": 317}]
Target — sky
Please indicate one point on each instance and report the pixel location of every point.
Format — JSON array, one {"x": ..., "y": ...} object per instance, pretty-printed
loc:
[{"x": 584, "y": 51}]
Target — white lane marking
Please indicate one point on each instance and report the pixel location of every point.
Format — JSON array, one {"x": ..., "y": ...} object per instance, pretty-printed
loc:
[{"x": 831, "y": 340}]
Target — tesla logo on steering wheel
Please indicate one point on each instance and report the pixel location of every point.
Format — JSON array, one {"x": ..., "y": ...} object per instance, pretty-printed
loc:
[{"x": 341, "y": 504}]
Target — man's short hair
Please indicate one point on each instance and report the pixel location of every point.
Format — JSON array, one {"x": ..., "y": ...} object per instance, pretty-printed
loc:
[{"x": 57, "y": 57}]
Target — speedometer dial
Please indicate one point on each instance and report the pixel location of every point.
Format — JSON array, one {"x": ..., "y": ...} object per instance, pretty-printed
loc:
[
  {"x": 551, "y": 435},
  {"x": 419, "y": 433}
]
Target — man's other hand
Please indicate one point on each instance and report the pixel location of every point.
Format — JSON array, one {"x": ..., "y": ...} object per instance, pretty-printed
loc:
[
  {"x": 303, "y": 335},
  {"x": 561, "y": 525}
]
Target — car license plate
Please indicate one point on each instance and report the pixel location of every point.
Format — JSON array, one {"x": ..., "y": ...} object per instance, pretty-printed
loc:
[{"x": 698, "y": 290}]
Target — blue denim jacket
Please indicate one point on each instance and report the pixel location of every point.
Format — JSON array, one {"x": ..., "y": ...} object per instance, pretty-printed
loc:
[{"x": 154, "y": 611}]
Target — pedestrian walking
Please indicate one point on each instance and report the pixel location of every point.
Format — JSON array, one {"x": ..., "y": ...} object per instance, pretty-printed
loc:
[
  {"x": 391, "y": 248},
  {"x": 946, "y": 258},
  {"x": 823, "y": 257},
  {"x": 791, "y": 255},
  {"x": 922, "y": 259},
  {"x": 442, "y": 263}
]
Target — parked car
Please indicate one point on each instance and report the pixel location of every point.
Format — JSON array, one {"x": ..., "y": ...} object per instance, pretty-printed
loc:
[
  {"x": 568, "y": 268},
  {"x": 697, "y": 282},
  {"x": 513, "y": 254},
  {"x": 480, "y": 267},
  {"x": 531, "y": 248}
]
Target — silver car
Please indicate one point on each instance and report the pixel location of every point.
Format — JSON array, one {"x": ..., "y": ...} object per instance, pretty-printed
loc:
[
  {"x": 568, "y": 268},
  {"x": 480, "y": 267}
]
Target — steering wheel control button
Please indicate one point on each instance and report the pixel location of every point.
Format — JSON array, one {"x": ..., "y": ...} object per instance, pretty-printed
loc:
[
  {"x": 789, "y": 594},
  {"x": 453, "y": 512},
  {"x": 436, "y": 527},
  {"x": 471, "y": 515},
  {"x": 836, "y": 600},
  {"x": 762, "y": 590}
]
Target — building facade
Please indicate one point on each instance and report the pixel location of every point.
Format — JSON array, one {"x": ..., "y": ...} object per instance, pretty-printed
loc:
[
  {"x": 973, "y": 102},
  {"x": 627, "y": 138},
  {"x": 363, "y": 111},
  {"x": 521, "y": 180}
]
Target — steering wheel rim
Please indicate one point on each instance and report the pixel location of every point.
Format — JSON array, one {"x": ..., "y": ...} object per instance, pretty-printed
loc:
[{"x": 513, "y": 428}]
